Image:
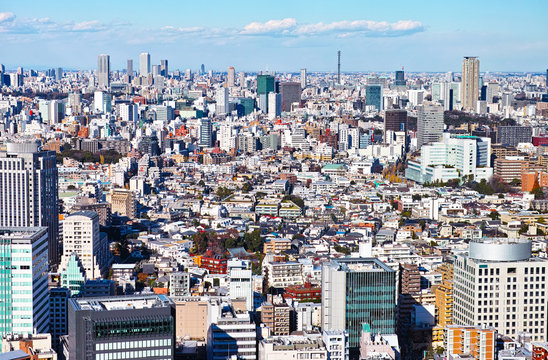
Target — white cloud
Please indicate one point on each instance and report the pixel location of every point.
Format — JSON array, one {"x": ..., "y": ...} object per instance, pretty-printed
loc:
[
  {"x": 92, "y": 25},
  {"x": 269, "y": 27},
  {"x": 184, "y": 30},
  {"x": 6, "y": 16},
  {"x": 380, "y": 28}
]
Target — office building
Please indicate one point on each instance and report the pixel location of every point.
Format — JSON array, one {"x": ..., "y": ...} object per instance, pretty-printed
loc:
[
  {"x": 473, "y": 342},
  {"x": 206, "y": 133},
  {"x": 24, "y": 299},
  {"x": 274, "y": 105},
  {"x": 290, "y": 94},
  {"x": 304, "y": 80},
  {"x": 231, "y": 77},
  {"x": 155, "y": 70},
  {"x": 429, "y": 123},
  {"x": 121, "y": 327},
  {"x": 129, "y": 69},
  {"x": 144, "y": 64},
  {"x": 81, "y": 236},
  {"x": 231, "y": 332},
  {"x": 58, "y": 299},
  {"x": 29, "y": 191},
  {"x": 58, "y": 74},
  {"x": 498, "y": 283},
  {"x": 513, "y": 135},
  {"x": 470, "y": 82},
  {"x": 164, "y": 70},
  {"x": 357, "y": 291},
  {"x": 222, "y": 105},
  {"x": 122, "y": 202},
  {"x": 452, "y": 158},
  {"x": 416, "y": 97},
  {"x": 400, "y": 78},
  {"x": 240, "y": 277},
  {"x": 265, "y": 84},
  {"x": 102, "y": 102},
  {"x": 373, "y": 96},
  {"x": 103, "y": 71},
  {"x": 129, "y": 112},
  {"x": 395, "y": 120}
]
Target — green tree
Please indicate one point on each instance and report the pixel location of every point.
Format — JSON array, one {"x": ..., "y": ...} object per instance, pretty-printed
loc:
[{"x": 253, "y": 241}]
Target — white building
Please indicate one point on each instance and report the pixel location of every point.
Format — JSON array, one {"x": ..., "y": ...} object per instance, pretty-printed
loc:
[
  {"x": 336, "y": 343},
  {"x": 221, "y": 99},
  {"x": 429, "y": 123},
  {"x": 129, "y": 112},
  {"x": 292, "y": 347},
  {"x": 81, "y": 236},
  {"x": 101, "y": 102},
  {"x": 24, "y": 301},
  {"x": 274, "y": 105},
  {"x": 499, "y": 284},
  {"x": 240, "y": 277}
]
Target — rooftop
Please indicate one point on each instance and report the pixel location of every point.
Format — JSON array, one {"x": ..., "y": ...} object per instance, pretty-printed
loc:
[{"x": 122, "y": 303}]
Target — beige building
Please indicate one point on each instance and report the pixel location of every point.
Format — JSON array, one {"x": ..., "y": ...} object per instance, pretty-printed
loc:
[
  {"x": 38, "y": 346},
  {"x": 122, "y": 202},
  {"x": 191, "y": 317},
  {"x": 292, "y": 347},
  {"x": 470, "y": 82},
  {"x": 276, "y": 246}
]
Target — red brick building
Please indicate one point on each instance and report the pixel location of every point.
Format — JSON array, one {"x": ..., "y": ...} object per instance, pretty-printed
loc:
[
  {"x": 303, "y": 293},
  {"x": 215, "y": 264}
]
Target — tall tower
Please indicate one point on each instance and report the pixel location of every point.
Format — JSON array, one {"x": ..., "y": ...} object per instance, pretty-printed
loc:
[
  {"x": 303, "y": 78},
  {"x": 129, "y": 70},
  {"x": 163, "y": 68},
  {"x": 144, "y": 64},
  {"x": 103, "y": 70},
  {"x": 29, "y": 191},
  {"x": 429, "y": 123},
  {"x": 230, "y": 81},
  {"x": 470, "y": 82},
  {"x": 339, "y": 67}
]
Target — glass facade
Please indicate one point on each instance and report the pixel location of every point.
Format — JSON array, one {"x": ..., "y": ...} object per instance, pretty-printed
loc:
[
  {"x": 370, "y": 299},
  {"x": 125, "y": 328}
]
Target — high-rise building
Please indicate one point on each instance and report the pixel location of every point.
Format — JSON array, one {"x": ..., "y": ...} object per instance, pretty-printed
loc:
[
  {"x": 129, "y": 69},
  {"x": 303, "y": 79},
  {"x": 241, "y": 278},
  {"x": 58, "y": 298},
  {"x": 498, "y": 283},
  {"x": 144, "y": 64},
  {"x": 81, "y": 236},
  {"x": 265, "y": 84},
  {"x": 513, "y": 135},
  {"x": 395, "y": 120},
  {"x": 357, "y": 291},
  {"x": 122, "y": 202},
  {"x": 429, "y": 123},
  {"x": 222, "y": 105},
  {"x": 24, "y": 299},
  {"x": 102, "y": 102},
  {"x": 274, "y": 105},
  {"x": 231, "y": 77},
  {"x": 29, "y": 191},
  {"x": 290, "y": 93},
  {"x": 164, "y": 71},
  {"x": 206, "y": 133},
  {"x": 58, "y": 74},
  {"x": 121, "y": 327},
  {"x": 400, "y": 78},
  {"x": 470, "y": 82},
  {"x": 373, "y": 96},
  {"x": 129, "y": 112},
  {"x": 103, "y": 71},
  {"x": 155, "y": 70}
]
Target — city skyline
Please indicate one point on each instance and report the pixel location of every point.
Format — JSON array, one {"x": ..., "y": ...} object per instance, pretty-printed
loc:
[{"x": 426, "y": 37}]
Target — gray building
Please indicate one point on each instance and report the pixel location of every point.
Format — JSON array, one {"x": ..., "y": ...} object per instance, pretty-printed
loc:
[
  {"x": 429, "y": 123},
  {"x": 121, "y": 327},
  {"x": 513, "y": 135},
  {"x": 103, "y": 70},
  {"x": 29, "y": 191},
  {"x": 58, "y": 298},
  {"x": 290, "y": 93},
  {"x": 179, "y": 283}
]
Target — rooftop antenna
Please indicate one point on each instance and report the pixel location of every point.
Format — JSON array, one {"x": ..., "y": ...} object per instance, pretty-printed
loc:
[{"x": 339, "y": 67}]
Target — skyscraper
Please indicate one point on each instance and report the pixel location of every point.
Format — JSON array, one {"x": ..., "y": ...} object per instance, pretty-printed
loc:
[
  {"x": 164, "y": 71},
  {"x": 303, "y": 78},
  {"x": 356, "y": 292},
  {"x": 400, "y": 78},
  {"x": 103, "y": 70},
  {"x": 144, "y": 64},
  {"x": 24, "y": 299},
  {"x": 206, "y": 133},
  {"x": 429, "y": 123},
  {"x": 29, "y": 191},
  {"x": 265, "y": 84},
  {"x": 290, "y": 93},
  {"x": 373, "y": 96},
  {"x": 395, "y": 120},
  {"x": 221, "y": 98},
  {"x": 274, "y": 105},
  {"x": 498, "y": 283},
  {"x": 230, "y": 80},
  {"x": 470, "y": 82},
  {"x": 129, "y": 69}
]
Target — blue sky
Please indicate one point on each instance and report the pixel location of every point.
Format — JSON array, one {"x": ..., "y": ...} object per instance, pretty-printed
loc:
[{"x": 421, "y": 35}]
